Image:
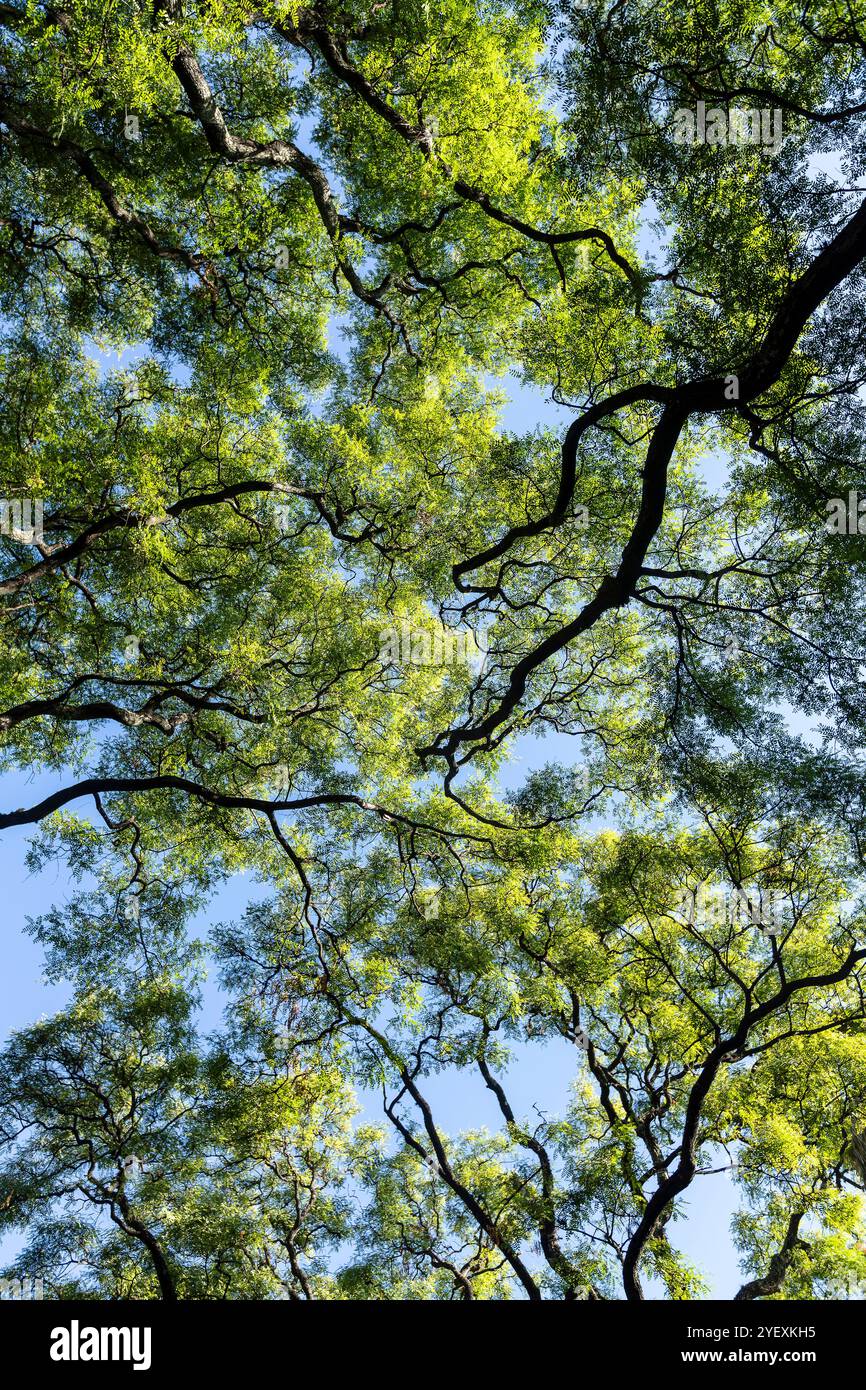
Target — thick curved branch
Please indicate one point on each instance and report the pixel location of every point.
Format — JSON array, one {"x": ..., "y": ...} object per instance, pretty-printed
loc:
[
  {"x": 682, "y": 1175},
  {"x": 126, "y": 520},
  {"x": 96, "y": 786},
  {"x": 92, "y": 786},
  {"x": 57, "y": 708},
  {"x": 704, "y": 395},
  {"x": 124, "y": 216},
  {"x": 278, "y": 154},
  {"x": 615, "y": 591},
  {"x": 647, "y": 391},
  {"x": 773, "y": 1281},
  {"x": 547, "y": 1230},
  {"x": 420, "y": 137}
]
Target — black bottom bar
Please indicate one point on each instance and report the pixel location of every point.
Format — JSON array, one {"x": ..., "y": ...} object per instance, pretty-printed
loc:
[{"x": 83, "y": 1342}]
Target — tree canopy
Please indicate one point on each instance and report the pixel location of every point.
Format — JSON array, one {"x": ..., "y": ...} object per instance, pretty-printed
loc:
[{"x": 284, "y": 596}]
